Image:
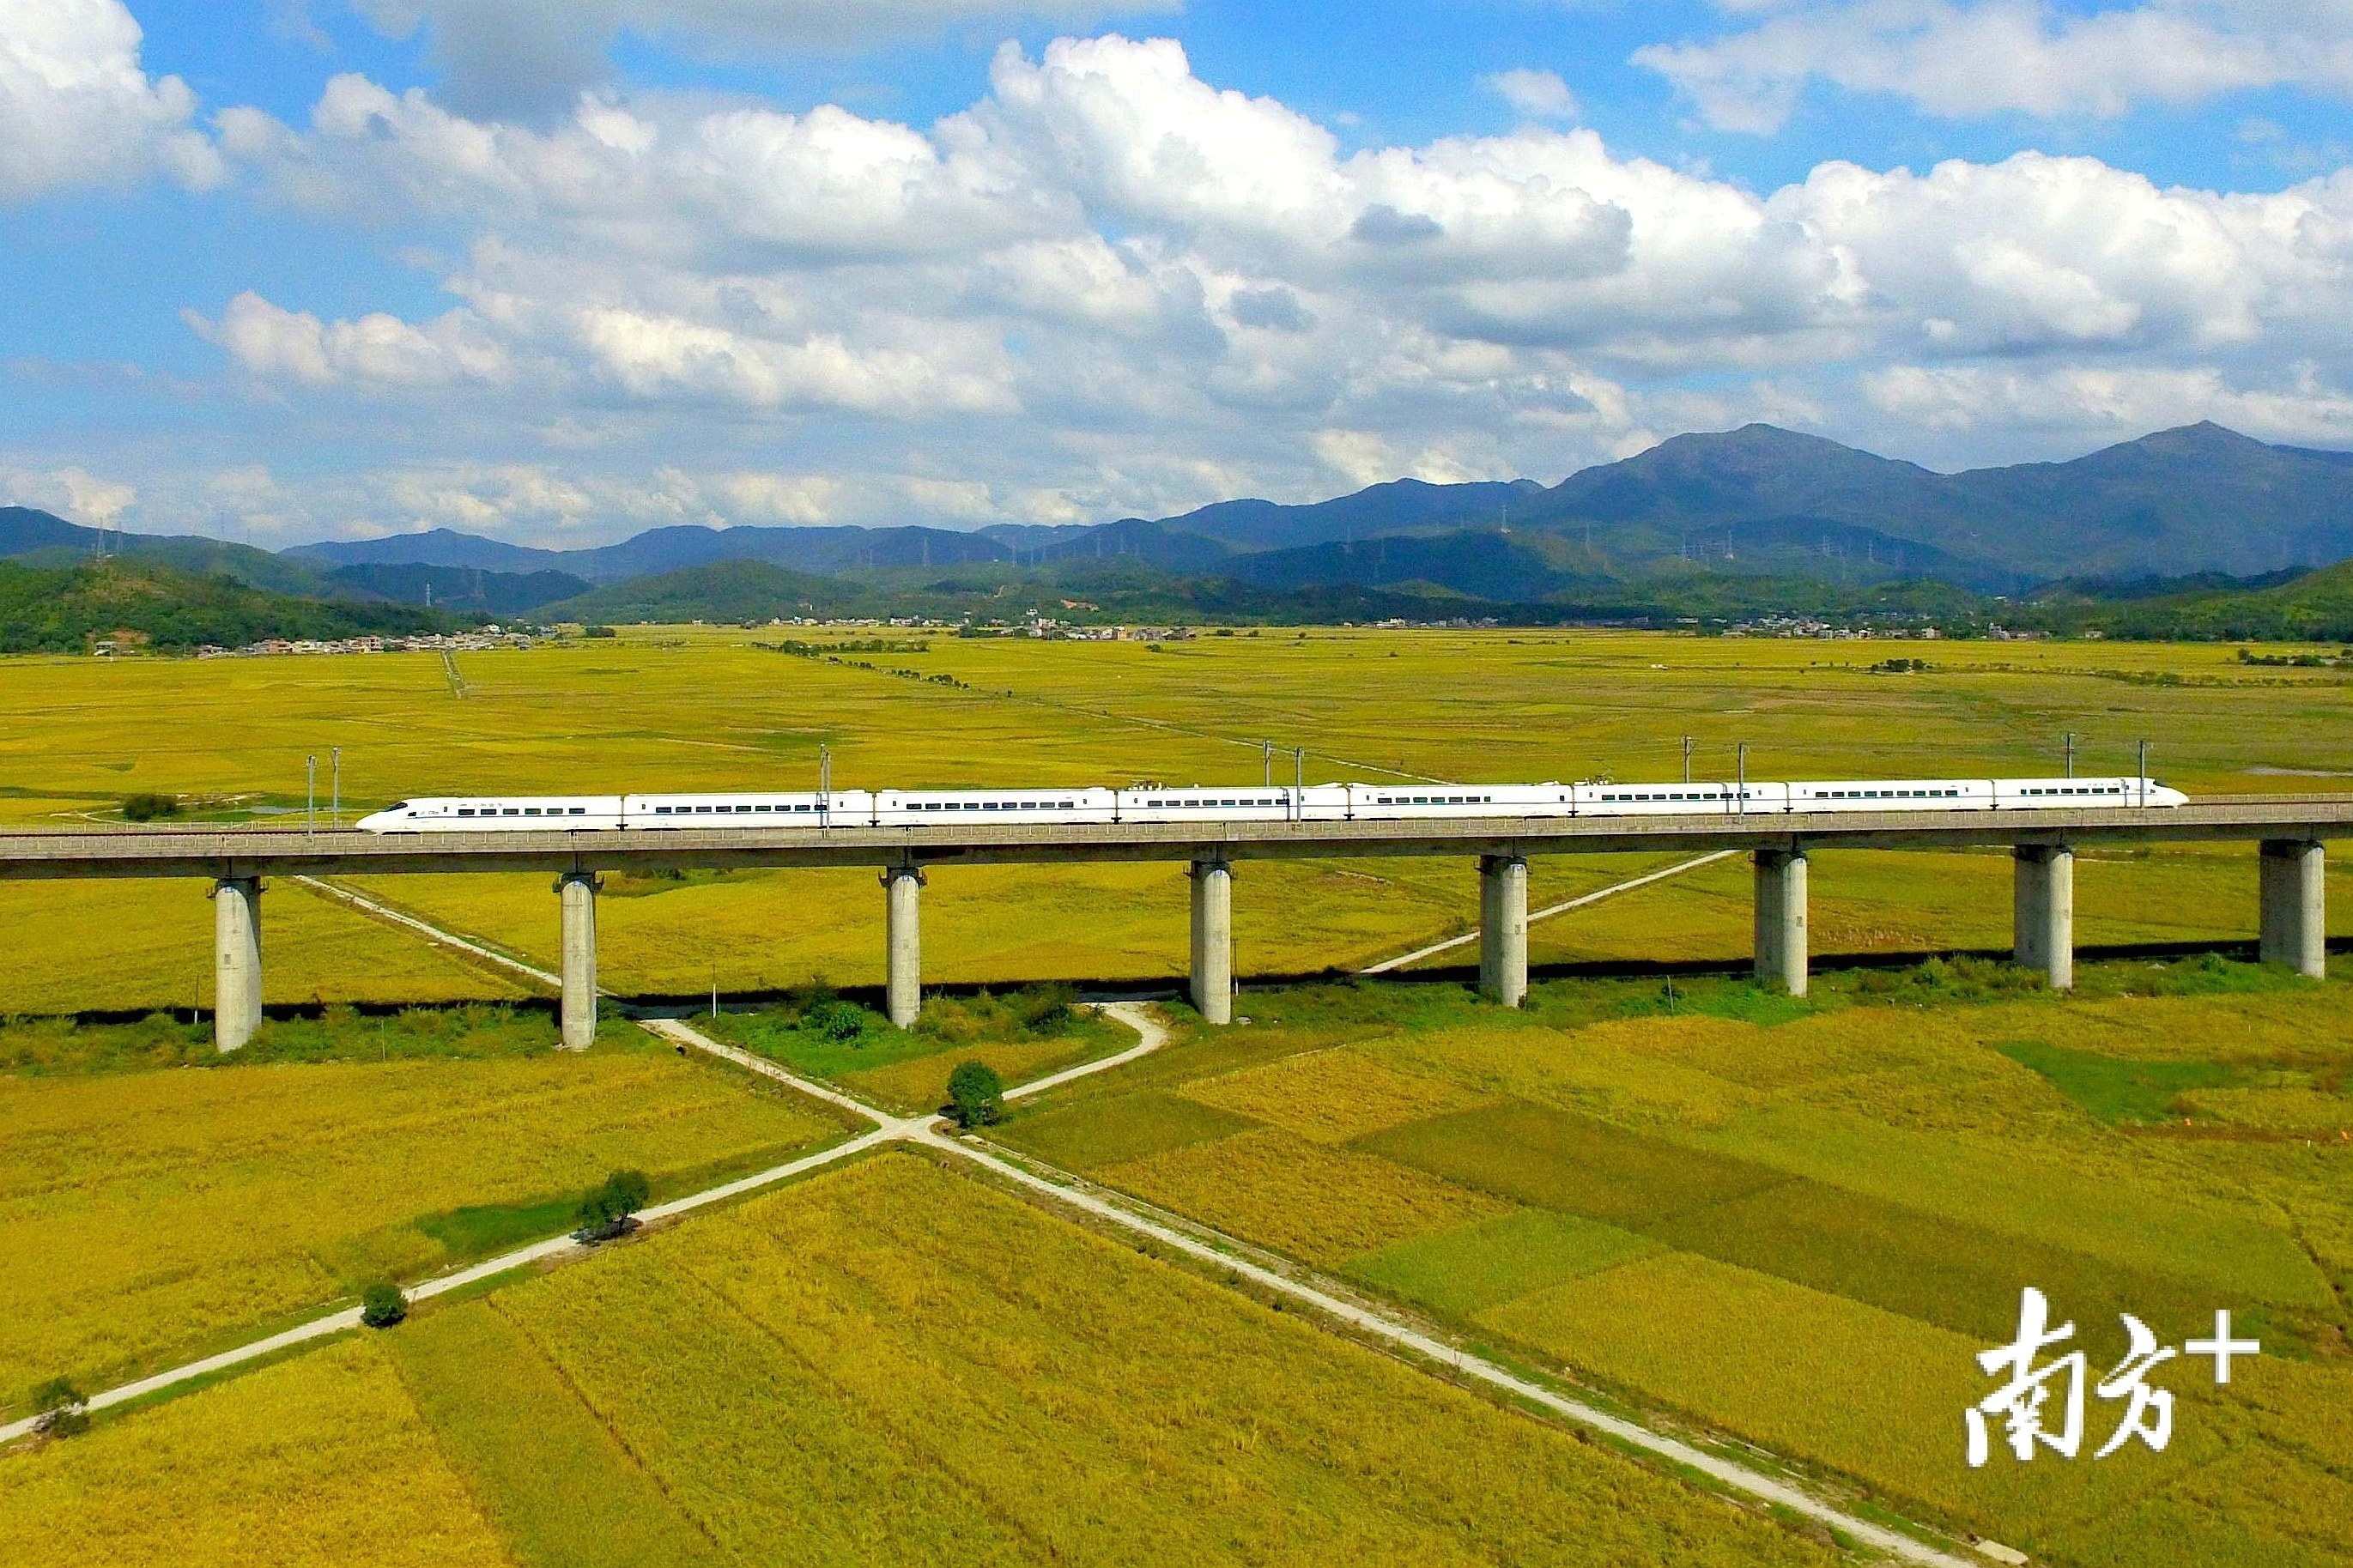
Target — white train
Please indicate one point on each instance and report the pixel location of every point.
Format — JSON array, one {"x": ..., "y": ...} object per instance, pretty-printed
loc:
[{"x": 1203, "y": 804}]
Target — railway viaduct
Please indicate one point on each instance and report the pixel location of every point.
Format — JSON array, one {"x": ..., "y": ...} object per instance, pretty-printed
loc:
[{"x": 2289, "y": 831}]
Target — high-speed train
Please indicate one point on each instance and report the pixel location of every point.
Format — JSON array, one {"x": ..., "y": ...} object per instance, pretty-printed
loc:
[{"x": 1231, "y": 803}]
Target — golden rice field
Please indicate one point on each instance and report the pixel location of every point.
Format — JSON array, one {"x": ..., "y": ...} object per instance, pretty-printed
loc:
[
  {"x": 889, "y": 1363},
  {"x": 1796, "y": 1221},
  {"x": 323, "y": 1460},
  {"x": 1790, "y": 1222},
  {"x": 149, "y": 1216},
  {"x": 703, "y": 708}
]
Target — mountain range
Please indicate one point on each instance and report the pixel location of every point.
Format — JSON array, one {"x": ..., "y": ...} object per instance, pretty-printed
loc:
[{"x": 1758, "y": 503}]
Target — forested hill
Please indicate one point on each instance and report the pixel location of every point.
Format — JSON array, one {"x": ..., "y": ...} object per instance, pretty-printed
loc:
[
  {"x": 66, "y": 609},
  {"x": 2312, "y": 606}
]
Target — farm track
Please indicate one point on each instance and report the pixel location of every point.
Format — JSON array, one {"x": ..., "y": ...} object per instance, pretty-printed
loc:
[
  {"x": 1405, "y": 959},
  {"x": 1051, "y": 1185}
]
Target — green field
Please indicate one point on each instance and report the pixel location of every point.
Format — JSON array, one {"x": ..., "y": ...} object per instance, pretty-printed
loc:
[
  {"x": 1790, "y": 1222},
  {"x": 1796, "y": 1222},
  {"x": 890, "y": 1364},
  {"x": 151, "y": 1210},
  {"x": 695, "y": 708}
]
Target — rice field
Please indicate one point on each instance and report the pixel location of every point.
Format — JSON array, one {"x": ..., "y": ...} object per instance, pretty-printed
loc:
[
  {"x": 696, "y": 708},
  {"x": 1796, "y": 1222},
  {"x": 889, "y": 1363},
  {"x": 149, "y": 1216},
  {"x": 1790, "y": 1222},
  {"x": 320, "y": 1460}
]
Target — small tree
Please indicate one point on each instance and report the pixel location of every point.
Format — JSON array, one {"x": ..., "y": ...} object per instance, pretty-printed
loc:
[
  {"x": 605, "y": 1211},
  {"x": 146, "y": 807},
  {"x": 381, "y": 1305},
  {"x": 976, "y": 1094},
  {"x": 63, "y": 1411}
]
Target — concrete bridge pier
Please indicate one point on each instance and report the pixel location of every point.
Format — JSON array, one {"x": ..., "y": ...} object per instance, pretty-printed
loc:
[
  {"x": 577, "y": 890},
  {"x": 1780, "y": 940},
  {"x": 902, "y": 887},
  {"x": 1213, "y": 940},
  {"x": 2042, "y": 909},
  {"x": 2295, "y": 905},
  {"x": 236, "y": 961},
  {"x": 1504, "y": 929}
]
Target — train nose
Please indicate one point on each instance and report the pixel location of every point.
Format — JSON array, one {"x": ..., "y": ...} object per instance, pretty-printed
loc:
[{"x": 378, "y": 822}]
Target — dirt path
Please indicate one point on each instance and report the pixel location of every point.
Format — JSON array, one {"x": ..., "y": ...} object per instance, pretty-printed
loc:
[
  {"x": 1061, "y": 1187},
  {"x": 1418, "y": 953}
]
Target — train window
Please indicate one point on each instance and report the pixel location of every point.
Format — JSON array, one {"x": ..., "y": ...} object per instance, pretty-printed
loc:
[
  {"x": 465, "y": 811},
  {"x": 579, "y": 811}
]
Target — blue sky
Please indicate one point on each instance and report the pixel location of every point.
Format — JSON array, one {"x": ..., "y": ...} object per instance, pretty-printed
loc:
[{"x": 560, "y": 271}]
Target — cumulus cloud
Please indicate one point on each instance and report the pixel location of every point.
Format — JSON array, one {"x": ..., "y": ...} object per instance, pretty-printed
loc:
[
  {"x": 77, "y": 109},
  {"x": 532, "y": 58},
  {"x": 1961, "y": 58},
  {"x": 1539, "y": 95},
  {"x": 68, "y": 493},
  {"x": 1109, "y": 287},
  {"x": 2120, "y": 401},
  {"x": 378, "y": 352}
]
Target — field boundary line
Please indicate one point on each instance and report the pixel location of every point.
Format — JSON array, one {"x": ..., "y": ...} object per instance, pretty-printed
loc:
[
  {"x": 1135, "y": 1015},
  {"x": 923, "y": 1129},
  {"x": 383, "y": 911},
  {"x": 1008, "y": 694},
  {"x": 553, "y": 1247},
  {"x": 1417, "y": 954},
  {"x": 1738, "y": 1477}
]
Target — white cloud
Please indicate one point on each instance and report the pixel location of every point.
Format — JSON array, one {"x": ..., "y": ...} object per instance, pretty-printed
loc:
[
  {"x": 71, "y": 493},
  {"x": 1962, "y": 58},
  {"x": 1111, "y": 288},
  {"x": 653, "y": 355},
  {"x": 77, "y": 109},
  {"x": 378, "y": 351},
  {"x": 2103, "y": 403},
  {"x": 1540, "y": 95}
]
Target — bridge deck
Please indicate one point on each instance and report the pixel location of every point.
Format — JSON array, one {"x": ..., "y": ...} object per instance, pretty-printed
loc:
[{"x": 244, "y": 852}]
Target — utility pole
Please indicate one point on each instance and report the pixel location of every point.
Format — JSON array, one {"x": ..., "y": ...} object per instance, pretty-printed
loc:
[
  {"x": 2071, "y": 753},
  {"x": 335, "y": 788},
  {"x": 310, "y": 794},
  {"x": 825, "y": 784},
  {"x": 1687, "y": 751},
  {"x": 1267, "y": 747},
  {"x": 2143, "y": 785},
  {"x": 1741, "y": 800}
]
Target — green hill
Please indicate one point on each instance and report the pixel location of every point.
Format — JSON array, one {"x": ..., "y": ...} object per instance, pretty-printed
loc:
[
  {"x": 66, "y": 609},
  {"x": 2317, "y": 607}
]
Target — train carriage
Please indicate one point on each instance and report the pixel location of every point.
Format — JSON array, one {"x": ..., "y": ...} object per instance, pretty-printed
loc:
[{"x": 1203, "y": 806}]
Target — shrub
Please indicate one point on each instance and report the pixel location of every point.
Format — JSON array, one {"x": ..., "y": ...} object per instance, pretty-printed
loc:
[
  {"x": 145, "y": 807},
  {"x": 834, "y": 1020},
  {"x": 976, "y": 1094},
  {"x": 599, "y": 632},
  {"x": 63, "y": 1411},
  {"x": 381, "y": 1305},
  {"x": 605, "y": 1211}
]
